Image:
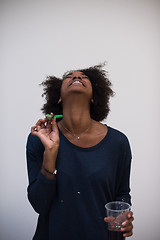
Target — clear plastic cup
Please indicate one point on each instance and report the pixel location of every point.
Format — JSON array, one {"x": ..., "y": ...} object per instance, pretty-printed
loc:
[{"x": 117, "y": 214}]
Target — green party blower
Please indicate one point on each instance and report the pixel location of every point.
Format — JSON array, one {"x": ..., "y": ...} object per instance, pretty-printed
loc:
[{"x": 50, "y": 116}]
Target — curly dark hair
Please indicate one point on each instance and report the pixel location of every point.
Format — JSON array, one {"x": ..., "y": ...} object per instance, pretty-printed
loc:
[{"x": 101, "y": 92}]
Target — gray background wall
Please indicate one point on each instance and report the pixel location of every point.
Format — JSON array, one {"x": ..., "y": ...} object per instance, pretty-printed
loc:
[{"x": 40, "y": 38}]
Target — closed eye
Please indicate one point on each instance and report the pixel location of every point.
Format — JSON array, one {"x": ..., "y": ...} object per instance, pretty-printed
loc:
[
  {"x": 83, "y": 76},
  {"x": 68, "y": 77}
]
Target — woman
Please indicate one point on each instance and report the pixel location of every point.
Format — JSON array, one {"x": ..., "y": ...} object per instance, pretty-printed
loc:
[{"x": 92, "y": 160}]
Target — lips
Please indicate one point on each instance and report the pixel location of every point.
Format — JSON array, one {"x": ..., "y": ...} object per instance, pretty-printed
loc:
[{"x": 76, "y": 81}]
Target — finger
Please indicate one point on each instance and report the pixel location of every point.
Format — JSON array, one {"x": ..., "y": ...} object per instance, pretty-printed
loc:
[
  {"x": 130, "y": 214},
  {"x": 106, "y": 219},
  {"x": 48, "y": 126},
  {"x": 127, "y": 228},
  {"x": 49, "y": 123},
  {"x": 128, "y": 231},
  {"x": 54, "y": 125},
  {"x": 41, "y": 121},
  {"x": 128, "y": 234},
  {"x": 128, "y": 222},
  {"x": 52, "y": 122},
  {"x": 38, "y": 128},
  {"x": 34, "y": 130}
]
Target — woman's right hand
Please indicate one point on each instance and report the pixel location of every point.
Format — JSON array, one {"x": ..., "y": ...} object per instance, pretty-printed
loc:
[{"x": 48, "y": 133}]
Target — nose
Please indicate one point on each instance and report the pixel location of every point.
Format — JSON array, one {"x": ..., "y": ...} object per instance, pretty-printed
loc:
[{"x": 75, "y": 77}]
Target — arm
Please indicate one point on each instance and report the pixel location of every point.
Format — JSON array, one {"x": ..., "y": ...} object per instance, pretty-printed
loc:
[
  {"x": 123, "y": 174},
  {"x": 42, "y": 185},
  {"x": 123, "y": 190},
  {"x": 123, "y": 186}
]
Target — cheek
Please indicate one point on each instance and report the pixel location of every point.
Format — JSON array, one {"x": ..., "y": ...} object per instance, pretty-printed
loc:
[
  {"x": 91, "y": 89},
  {"x": 63, "y": 87},
  {"x": 61, "y": 92}
]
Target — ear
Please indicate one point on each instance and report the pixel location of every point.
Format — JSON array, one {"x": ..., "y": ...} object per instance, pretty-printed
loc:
[
  {"x": 59, "y": 101},
  {"x": 92, "y": 101}
]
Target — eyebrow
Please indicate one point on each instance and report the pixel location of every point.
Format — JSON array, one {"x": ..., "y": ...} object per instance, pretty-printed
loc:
[
  {"x": 72, "y": 73},
  {"x": 84, "y": 74},
  {"x": 68, "y": 74}
]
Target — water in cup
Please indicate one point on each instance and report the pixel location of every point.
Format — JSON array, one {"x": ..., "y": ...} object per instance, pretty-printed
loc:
[{"x": 117, "y": 214}]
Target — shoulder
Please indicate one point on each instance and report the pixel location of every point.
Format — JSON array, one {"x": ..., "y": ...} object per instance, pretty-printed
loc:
[
  {"x": 120, "y": 139},
  {"x": 34, "y": 143},
  {"x": 117, "y": 134}
]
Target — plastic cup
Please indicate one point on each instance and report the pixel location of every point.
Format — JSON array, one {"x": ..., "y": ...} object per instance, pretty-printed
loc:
[{"x": 117, "y": 214}]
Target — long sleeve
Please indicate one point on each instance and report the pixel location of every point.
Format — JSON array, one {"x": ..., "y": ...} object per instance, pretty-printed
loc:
[
  {"x": 41, "y": 190},
  {"x": 123, "y": 175}
]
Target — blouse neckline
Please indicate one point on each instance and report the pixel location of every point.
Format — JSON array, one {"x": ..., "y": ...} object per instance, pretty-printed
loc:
[{"x": 86, "y": 148}]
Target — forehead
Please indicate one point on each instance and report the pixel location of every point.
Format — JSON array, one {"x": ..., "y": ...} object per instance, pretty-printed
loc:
[{"x": 76, "y": 72}]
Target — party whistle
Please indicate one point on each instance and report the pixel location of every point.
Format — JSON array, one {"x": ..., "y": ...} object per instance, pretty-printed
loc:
[{"x": 50, "y": 116}]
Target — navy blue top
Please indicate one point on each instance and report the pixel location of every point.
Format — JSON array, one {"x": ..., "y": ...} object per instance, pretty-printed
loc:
[{"x": 72, "y": 206}]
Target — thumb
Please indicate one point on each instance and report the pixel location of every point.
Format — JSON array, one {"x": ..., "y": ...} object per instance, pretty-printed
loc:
[{"x": 54, "y": 125}]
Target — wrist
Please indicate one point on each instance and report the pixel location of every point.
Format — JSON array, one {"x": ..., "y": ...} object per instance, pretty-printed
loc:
[
  {"x": 47, "y": 174},
  {"x": 49, "y": 162},
  {"x": 52, "y": 148},
  {"x": 54, "y": 172}
]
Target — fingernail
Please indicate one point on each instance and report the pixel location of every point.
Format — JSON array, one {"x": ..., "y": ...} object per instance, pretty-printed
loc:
[{"x": 124, "y": 223}]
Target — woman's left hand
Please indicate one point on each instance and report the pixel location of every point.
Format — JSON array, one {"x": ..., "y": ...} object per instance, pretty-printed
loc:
[{"x": 127, "y": 226}]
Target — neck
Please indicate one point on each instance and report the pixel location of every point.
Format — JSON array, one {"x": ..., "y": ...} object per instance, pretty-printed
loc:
[{"x": 76, "y": 116}]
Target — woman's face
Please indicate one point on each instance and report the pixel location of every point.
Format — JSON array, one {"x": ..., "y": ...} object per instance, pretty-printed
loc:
[{"x": 76, "y": 82}]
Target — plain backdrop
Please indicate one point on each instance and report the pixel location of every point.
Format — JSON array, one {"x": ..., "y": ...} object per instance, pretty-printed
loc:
[{"x": 41, "y": 38}]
